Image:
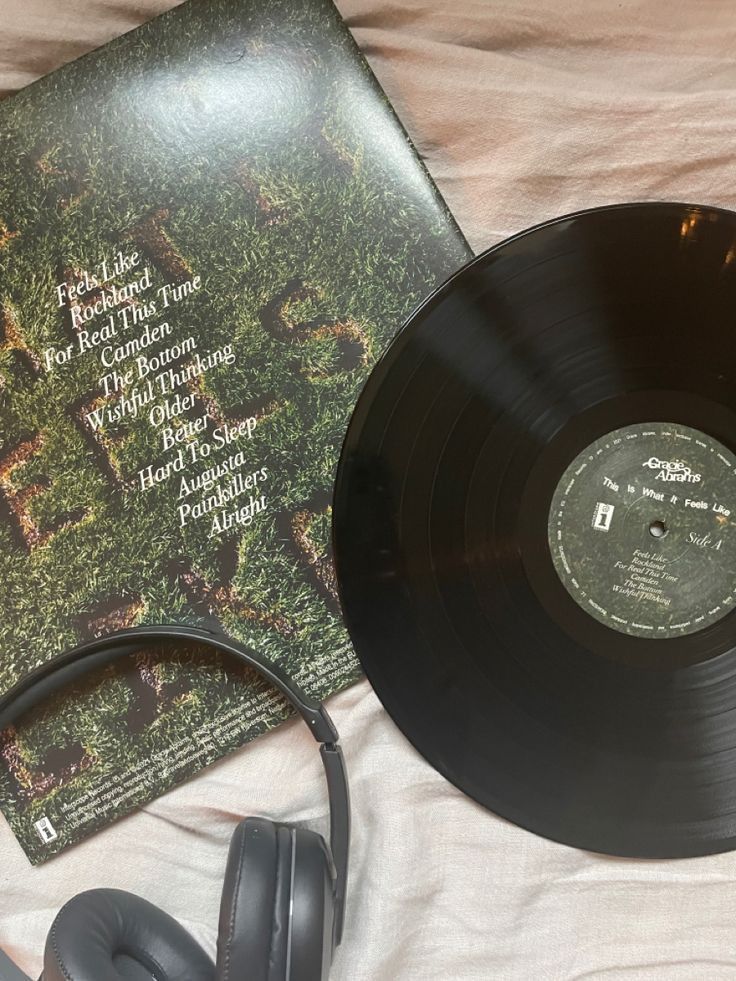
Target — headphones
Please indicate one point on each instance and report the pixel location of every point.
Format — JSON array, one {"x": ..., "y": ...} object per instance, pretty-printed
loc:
[{"x": 283, "y": 898}]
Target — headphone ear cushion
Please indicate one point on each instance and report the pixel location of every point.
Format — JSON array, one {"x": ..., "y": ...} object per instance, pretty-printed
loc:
[
  {"x": 108, "y": 934},
  {"x": 253, "y": 911},
  {"x": 277, "y": 908}
]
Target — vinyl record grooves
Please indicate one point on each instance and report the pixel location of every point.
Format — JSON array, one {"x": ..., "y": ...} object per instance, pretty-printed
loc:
[{"x": 534, "y": 530}]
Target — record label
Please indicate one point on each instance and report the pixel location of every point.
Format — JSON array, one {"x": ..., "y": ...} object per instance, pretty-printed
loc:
[{"x": 642, "y": 533}]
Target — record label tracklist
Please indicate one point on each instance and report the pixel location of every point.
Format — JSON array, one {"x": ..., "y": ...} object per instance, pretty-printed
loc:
[{"x": 642, "y": 533}]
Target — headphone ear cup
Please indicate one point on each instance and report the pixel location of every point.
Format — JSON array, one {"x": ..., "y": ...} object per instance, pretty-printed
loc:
[
  {"x": 277, "y": 908},
  {"x": 313, "y": 908},
  {"x": 107, "y": 934}
]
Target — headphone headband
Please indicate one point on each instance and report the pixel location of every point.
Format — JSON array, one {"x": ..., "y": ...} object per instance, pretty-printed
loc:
[{"x": 55, "y": 674}]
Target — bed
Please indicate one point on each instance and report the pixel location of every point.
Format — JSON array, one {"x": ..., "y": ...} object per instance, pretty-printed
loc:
[{"x": 522, "y": 111}]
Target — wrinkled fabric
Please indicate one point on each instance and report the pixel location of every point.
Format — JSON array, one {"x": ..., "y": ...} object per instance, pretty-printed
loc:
[{"x": 522, "y": 112}]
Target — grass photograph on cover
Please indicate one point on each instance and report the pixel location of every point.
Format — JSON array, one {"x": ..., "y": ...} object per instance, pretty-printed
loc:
[{"x": 209, "y": 231}]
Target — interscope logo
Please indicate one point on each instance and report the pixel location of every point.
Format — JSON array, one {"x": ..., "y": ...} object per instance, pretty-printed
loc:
[
  {"x": 672, "y": 470},
  {"x": 603, "y": 516},
  {"x": 46, "y": 831}
]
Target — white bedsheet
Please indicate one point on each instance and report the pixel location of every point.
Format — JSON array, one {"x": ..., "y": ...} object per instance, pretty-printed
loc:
[{"x": 523, "y": 111}]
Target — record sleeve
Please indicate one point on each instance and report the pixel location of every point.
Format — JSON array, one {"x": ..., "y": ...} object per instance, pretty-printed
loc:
[{"x": 209, "y": 230}]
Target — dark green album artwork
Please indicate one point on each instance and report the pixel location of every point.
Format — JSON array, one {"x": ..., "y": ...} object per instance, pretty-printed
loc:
[{"x": 209, "y": 231}]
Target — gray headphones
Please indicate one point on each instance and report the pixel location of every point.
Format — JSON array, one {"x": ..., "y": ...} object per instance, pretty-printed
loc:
[{"x": 283, "y": 898}]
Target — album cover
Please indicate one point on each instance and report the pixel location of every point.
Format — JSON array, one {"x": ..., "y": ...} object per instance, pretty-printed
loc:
[{"x": 209, "y": 230}]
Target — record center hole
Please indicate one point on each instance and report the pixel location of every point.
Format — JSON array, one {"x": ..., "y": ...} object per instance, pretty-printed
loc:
[{"x": 658, "y": 529}]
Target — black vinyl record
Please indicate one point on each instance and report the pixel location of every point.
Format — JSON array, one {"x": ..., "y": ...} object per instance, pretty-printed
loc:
[{"x": 535, "y": 530}]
